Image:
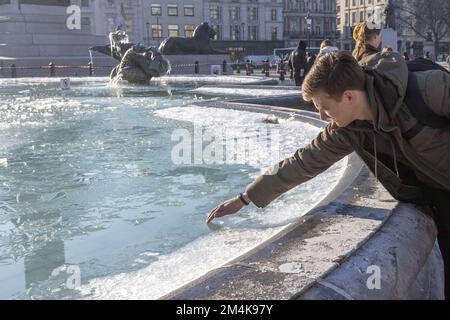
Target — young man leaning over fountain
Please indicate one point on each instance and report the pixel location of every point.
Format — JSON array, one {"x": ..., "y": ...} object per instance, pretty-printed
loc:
[{"x": 368, "y": 115}]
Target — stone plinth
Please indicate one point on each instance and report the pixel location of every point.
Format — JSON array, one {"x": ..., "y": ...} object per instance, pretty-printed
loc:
[{"x": 185, "y": 64}]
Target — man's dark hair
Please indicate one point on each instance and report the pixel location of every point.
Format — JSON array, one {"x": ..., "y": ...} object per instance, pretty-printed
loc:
[{"x": 333, "y": 73}]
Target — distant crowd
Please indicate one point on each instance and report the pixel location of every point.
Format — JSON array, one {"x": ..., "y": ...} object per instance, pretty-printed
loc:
[{"x": 367, "y": 40}]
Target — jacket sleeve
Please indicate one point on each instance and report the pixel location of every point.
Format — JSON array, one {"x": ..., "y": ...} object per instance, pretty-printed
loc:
[
  {"x": 436, "y": 91},
  {"x": 306, "y": 163}
]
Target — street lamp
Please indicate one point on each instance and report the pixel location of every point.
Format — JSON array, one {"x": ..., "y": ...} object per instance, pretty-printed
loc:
[
  {"x": 308, "y": 24},
  {"x": 159, "y": 29},
  {"x": 148, "y": 33}
]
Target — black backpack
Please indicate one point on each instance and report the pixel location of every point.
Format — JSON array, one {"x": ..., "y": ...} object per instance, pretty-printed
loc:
[{"x": 415, "y": 102}]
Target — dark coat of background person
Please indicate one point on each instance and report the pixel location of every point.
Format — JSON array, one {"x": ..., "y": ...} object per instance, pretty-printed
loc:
[
  {"x": 299, "y": 63},
  {"x": 310, "y": 59}
]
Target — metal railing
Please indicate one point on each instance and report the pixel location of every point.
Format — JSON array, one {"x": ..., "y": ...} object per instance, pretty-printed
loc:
[{"x": 53, "y": 70}]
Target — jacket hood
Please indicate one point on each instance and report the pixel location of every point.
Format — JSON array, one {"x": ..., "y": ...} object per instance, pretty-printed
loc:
[
  {"x": 386, "y": 82},
  {"x": 328, "y": 49}
]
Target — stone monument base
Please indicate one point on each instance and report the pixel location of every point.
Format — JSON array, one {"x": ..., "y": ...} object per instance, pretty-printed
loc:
[
  {"x": 185, "y": 64},
  {"x": 389, "y": 39}
]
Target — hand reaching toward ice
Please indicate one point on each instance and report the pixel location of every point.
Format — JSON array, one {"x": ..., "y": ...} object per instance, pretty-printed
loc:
[{"x": 230, "y": 206}]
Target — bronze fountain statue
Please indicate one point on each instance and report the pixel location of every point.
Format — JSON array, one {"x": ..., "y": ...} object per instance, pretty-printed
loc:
[
  {"x": 199, "y": 43},
  {"x": 138, "y": 64}
]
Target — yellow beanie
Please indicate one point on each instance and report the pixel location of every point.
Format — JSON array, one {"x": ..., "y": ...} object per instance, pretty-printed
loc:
[{"x": 358, "y": 30}]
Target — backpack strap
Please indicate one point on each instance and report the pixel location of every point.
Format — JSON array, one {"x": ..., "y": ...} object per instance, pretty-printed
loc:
[
  {"x": 420, "y": 109},
  {"x": 422, "y": 64}
]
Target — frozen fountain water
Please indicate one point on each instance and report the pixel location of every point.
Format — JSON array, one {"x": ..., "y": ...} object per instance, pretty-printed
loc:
[{"x": 90, "y": 185}]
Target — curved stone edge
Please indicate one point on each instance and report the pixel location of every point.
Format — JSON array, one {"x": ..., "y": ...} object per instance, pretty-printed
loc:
[
  {"x": 293, "y": 101},
  {"x": 402, "y": 246},
  {"x": 403, "y": 252}
]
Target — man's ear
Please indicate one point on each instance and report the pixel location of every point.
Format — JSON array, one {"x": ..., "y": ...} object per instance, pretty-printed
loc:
[{"x": 348, "y": 95}]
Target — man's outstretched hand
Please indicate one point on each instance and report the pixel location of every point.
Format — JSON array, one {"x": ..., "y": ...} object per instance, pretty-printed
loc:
[{"x": 228, "y": 207}]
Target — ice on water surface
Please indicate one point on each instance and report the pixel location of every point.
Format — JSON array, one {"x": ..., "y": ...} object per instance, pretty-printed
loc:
[{"x": 88, "y": 188}]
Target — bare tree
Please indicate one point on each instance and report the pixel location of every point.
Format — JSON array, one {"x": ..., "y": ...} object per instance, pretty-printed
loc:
[{"x": 429, "y": 19}]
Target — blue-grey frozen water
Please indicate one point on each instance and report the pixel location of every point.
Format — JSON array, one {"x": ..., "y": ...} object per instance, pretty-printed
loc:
[{"x": 92, "y": 204}]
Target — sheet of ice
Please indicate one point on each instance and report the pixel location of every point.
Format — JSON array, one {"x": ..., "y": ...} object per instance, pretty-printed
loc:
[
  {"x": 207, "y": 79},
  {"x": 244, "y": 91},
  {"x": 230, "y": 236}
]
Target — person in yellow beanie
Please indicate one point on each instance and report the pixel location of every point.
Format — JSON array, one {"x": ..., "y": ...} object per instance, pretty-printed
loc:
[{"x": 368, "y": 40}]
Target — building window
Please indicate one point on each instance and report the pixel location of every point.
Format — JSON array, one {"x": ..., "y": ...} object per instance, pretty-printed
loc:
[
  {"x": 156, "y": 9},
  {"x": 317, "y": 30},
  {"x": 214, "y": 12},
  {"x": 353, "y": 17},
  {"x": 353, "y": 2},
  {"x": 189, "y": 30},
  {"x": 361, "y": 16},
  {"x": 234, "y": 32},
  {"x": 64, "y": 3},
  {"x": 156, "y": 31},
  {"x": 253, "y": 33},
  {"x": 273, "y": 14},
  {"x": 85, "y": 21},
  {"x": 218, "y": 30},
  {"x": 346, "y": 18},
  {"x": 253, "y": 13},
  {"x": 347, "y": 3},
  {"x": 188, "y": 10},
  {"x": 173, "y": 30},
  {"x": 172, "y": 10},
  {"x": 235, "y": 13},
  {"x": 85, "y": 3},
  {"x": 274, "y": 33}
]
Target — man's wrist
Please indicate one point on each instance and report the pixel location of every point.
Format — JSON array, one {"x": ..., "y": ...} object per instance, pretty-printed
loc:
[{"x": 244, "y": 198}]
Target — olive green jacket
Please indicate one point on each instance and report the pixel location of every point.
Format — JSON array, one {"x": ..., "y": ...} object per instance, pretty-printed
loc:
[
  {"x": 404, "y": 167},
  {"x": 364, "y": 53}
]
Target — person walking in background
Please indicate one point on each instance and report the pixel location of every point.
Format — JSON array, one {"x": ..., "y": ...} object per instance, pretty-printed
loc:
[
  {"x": 310, "y": 59},
  {"x": 325, "y": 47},
  {"x": 247, "y": 67},
  {"x": 299, "y": 63},
  {"x": 290, "y": 67},
  {"x": 368, "y": 41},
  {"x": 405, "y": 55}
]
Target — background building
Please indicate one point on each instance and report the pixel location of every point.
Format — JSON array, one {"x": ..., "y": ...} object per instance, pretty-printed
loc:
[
  {"x": 321, "y": 15},
  {"x": 350, "y": 12},
  {"x": 31, "y": 28},
  {"x": 176, "y": 18},
  {"x": 37, "y": 28},
  {"x": 246, "y": 27}
]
